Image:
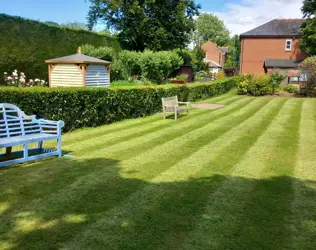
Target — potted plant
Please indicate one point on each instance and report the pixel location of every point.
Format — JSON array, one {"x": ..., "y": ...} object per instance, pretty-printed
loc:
[{"x": 180, "y": 79}]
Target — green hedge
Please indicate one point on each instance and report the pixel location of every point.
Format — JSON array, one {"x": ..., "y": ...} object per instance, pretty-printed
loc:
[
  {"x": 26, "y": 44},
  {"x": 86, "y": 107}
]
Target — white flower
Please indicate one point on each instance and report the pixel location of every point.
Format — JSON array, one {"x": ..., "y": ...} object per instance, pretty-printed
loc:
[
  {"x": 37, "y": 80},
  {"x": 15, "y": 73},
  {"x": 16, "y": 78},
  {"x": 31, "y": 81},
  {"x": 9, "y": 78},
  {"x": 5, "y": 73},
  {"x": 42, "y": 81}
]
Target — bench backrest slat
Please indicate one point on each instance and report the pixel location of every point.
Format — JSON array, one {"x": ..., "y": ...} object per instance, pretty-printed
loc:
[
  {"x": 14, "y": 122},
  {"x": 169, "y": 103}
]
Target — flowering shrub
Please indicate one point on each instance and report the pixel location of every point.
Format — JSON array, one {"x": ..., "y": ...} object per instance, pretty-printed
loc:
[{"x": 18, "y": 79}]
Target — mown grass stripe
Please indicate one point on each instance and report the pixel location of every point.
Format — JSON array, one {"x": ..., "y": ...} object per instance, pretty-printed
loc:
[
  {"x": 128, "y": 134},
  {"x": 140, "y": 144},
  {"x": 302, "y": 222},
  {"x": 238, "y": 197},
  {"x": 76, "y": 136},
  {"x": 148, "y": 198}
]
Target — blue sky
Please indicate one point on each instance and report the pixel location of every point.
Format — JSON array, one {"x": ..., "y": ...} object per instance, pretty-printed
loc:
[{"x": 238, "y": 15}]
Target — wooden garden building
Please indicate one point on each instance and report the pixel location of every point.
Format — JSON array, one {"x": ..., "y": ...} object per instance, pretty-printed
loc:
[{"x": 78, "y": 71}]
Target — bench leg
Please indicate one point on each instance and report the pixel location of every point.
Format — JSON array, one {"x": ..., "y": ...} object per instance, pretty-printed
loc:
[
  {"x": 40, "y": 146},
  {"x": 25, "y": 151},
  {"x": 8, "y": 151},
  {"x": 175, "y": 115},
  {"x": 164, "y": 115},
  {"x": 59, "y": 147}
]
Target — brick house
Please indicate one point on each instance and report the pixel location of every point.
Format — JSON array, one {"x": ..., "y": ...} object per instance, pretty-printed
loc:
[
  {"x": 215, "y": 56},
  {"x": 273, "y": 45}
]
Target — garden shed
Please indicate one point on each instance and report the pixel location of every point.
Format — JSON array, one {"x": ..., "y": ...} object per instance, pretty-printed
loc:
[{"x": 78, "y": 70}]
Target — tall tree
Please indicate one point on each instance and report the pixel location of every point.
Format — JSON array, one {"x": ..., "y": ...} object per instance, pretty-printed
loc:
[
  {"x": 308, "y": 29},
  {"x": 147, "y": 24},
  {"x": 233, "y": 53},
  {"x": 210, "y": 27}
]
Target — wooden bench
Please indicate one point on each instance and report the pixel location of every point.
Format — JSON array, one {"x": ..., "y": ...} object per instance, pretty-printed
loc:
[
  {"x": 17, "y": 128},
  {"x": 172, "y": 105}
]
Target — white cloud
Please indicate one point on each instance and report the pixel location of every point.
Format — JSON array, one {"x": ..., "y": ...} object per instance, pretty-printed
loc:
[{"x": 248, "y": 14}]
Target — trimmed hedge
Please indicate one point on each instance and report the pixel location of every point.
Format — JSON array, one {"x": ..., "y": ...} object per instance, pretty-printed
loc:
[
  {"x": 89, "y": 107},
  {"x": 25, "y": 44}
]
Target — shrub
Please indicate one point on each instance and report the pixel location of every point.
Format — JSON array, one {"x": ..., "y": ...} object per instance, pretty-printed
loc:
[
  {"x": 103, "y": 53},
  {"x": 291, "y": 88},
  {"x": 255, "y": 85},
  {"x": 26, "y": 44},
  {"x": 308, "y": 66},
  {"x": 86, "y": 107},
  {"x": 129, "y": 63},
  {"x": 157, "y": 66},
  {"x": 18, "y": 79},
  {"x": 275, "y": 80}
]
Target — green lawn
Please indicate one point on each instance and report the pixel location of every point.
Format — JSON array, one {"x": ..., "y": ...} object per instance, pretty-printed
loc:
[{"x": 241, "y": 177}]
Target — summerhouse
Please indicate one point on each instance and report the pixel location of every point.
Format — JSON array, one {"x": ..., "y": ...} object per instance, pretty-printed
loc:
[{"x": 78, "y": 71}]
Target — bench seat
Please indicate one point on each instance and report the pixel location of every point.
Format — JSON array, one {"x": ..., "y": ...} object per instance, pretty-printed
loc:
[
  {"x": 22, "y": 139},
  {"x": 17, "y": 128}
]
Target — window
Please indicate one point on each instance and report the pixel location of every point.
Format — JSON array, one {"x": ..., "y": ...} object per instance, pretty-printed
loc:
[
  {"x": 288, "y": 44},
  {"x": 293, "y": 79}
]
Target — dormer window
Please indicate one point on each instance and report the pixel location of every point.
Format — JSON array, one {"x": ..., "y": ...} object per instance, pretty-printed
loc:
[{"x": 288, "y": 44}]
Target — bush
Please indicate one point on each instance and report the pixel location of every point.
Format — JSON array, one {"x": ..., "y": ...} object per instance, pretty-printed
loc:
[
  {"x": 26, "y": 44},
  {"x": 292, "y": 88},
  {"x": 258, "y": 85},
  {"x": 275, "y": 80},
  {"x": 103, "y": 53},
  {"x": 129, "y": 63},
  {"x": 308, "y": 66},
  {"x": 157, "y": 66},
  {"x": 88, "y": 107}
]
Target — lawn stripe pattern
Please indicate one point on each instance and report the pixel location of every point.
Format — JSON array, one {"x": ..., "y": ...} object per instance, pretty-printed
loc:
[{"x": 241, "y": 177}]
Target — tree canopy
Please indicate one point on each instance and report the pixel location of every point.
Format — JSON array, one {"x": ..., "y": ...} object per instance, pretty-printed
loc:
[
  {"x": 308, "y": 30},
  {"x": 147, "y": 24},
  {"x": 210, "y": 27},
  {"x": 233, "y": 53}
]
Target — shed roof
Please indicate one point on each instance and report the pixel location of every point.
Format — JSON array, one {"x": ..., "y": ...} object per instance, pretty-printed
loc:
[
  {"x": 224, "y": 49},
  {"x": 77, "y": 58},
  {"x": 281, "y": 63},
  {"x": 277, "y": 28}
]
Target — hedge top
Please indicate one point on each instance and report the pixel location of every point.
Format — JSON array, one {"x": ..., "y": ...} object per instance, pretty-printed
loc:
[{"x": 77, "y": 58}]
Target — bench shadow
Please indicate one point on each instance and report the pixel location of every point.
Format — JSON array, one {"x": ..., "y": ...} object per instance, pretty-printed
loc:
[{"x": 49, "y": 203}]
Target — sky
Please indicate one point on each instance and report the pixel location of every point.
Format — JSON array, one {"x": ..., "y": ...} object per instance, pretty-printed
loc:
[{"x": 238, "y": 15}]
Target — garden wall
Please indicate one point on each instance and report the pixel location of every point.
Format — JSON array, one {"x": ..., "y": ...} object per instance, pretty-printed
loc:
[
  {"x": 26, "y": 44},
  {"x": 89, "y": 107}
]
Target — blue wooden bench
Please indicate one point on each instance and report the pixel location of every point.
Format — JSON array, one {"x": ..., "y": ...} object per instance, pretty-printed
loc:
[{"x": 17, "y": 128}]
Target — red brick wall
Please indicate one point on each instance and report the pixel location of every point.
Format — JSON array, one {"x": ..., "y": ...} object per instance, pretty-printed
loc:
[
  {"x": 255, "y": 50},
  {"x": 212, "y": 52}
]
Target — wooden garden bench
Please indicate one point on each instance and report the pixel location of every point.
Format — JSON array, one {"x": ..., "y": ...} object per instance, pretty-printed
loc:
[
  {"x": 172, "y": 105},
  {"x": 17, "y": 128}
]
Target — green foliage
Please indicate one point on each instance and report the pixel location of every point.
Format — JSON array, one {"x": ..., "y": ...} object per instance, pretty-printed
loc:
[
  {"x": 292, "y": 88},
  {"x": 187, "y": 56},
  {"x": 308, "y": 29},
  {"x": 104, "y": 53},
  {"x": 157, "y": 66},
  {"x": 255, "y": 85},
  {"x": 86, "y": 107},
  {"x": 275, "y": 80},
  {"x": 182, "y": 77},
  {"x": 129, "y": 61},
  {"x": 233, "y": 53},
  {"x": 308, "y": 66},
  {"x": 147, "y": 24},
  {"x": 210, "y": 27},
  {"x": 198, "y": 62},
  {"x": 26, "y": 44}
]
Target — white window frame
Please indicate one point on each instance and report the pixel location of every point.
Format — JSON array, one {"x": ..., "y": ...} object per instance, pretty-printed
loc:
[{"x": 286, "y": 47}]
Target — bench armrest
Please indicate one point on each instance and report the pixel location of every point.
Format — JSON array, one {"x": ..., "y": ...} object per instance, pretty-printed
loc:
[
  {"x": 186, "y": 103},
  {"x": 48, "y": 126}
]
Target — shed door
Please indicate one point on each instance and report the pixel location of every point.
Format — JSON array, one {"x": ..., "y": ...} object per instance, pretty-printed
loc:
[{"x": 97, "y": 76}]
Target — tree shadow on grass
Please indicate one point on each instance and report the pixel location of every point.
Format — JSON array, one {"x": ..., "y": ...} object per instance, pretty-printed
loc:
[{"x": 80, "y": 204}]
